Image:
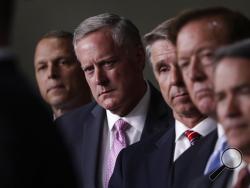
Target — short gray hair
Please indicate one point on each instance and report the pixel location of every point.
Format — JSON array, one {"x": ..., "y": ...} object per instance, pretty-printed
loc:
[
  {"x": 123, "y": 31},
  {"x": 163, "y": 31}
]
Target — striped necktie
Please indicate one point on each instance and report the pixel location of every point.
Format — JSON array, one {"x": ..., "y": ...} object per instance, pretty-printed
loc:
[{"x": 192, "y": 136}]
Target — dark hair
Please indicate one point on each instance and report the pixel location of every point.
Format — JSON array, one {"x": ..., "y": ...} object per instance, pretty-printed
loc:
[
  {"x": 238, "y": 25},
  {"x": 239, "y": 49},
  {"x": 123, "y": 31},
  {"x": 162, "y": 31}
]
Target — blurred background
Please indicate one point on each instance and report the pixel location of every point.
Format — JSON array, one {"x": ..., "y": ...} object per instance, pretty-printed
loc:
[{"x": 33, "y": 18}]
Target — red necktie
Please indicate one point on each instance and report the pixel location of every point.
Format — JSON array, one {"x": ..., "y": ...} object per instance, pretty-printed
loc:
[
  {"x": 192, "y": 136},
  {"x": 243, "y": 180}
]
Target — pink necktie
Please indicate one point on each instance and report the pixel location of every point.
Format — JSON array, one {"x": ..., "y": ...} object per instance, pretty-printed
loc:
[{"x": 119, "y": 142}]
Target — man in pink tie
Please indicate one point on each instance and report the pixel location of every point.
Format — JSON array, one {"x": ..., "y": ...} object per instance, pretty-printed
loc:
[{"x": 112, "y": 56}]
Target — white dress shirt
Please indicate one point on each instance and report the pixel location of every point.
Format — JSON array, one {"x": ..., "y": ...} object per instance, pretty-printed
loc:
[
  {"x": 181, "y": 141},
  {"x": 136, "y": 119}
]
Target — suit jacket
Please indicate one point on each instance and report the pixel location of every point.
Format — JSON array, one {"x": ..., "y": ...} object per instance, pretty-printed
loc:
[
  {"x": 31, "y": 154},
  {"x": 220, "y": 181},
  {"x": 192, "y": 163},
  {"x": 146, "y": 164},
  {"x": 150, "y": 163},
  {"x": 83, "y": 130}
]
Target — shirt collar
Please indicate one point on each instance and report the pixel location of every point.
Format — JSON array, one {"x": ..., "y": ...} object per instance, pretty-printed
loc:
[
  {"x": 203, "y": 128},
  {"x": 137, "y": 117},
  {"x": 220, "y": 130}
]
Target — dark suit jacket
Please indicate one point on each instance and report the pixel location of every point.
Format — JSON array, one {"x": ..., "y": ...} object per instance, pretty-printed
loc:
[
  {"x": 31, "y": 154},
  {"x": 150, "y": 164},
  {"x": 146, "y": 164},
  {"x": 220, "y": 181},
  {"x": 83, "y": 129},
  {"x": 192, "y": 163}
]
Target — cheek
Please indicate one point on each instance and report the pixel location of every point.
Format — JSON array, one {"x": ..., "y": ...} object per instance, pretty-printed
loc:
[{"x": 210, "y": 73}]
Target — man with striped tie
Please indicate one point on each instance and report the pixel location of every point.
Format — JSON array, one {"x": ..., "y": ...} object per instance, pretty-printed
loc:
[{"x": 133, "y": 169}]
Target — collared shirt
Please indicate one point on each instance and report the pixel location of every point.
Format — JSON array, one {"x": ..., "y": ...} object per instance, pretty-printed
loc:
[
  {"x": 219, "y": 143},
  {"x": 136, "y": 119},
  {"x": 181, "y": 141}
]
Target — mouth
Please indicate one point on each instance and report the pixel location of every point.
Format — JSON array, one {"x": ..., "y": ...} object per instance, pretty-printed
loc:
[
  {"x": 56, "y": 87},
  {"x": 105, "y": 92},
  {"x": 179, "y": 95},
  {"x": 204, "y": 93}
]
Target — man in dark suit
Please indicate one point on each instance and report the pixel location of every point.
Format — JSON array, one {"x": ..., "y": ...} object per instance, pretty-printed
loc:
[
  {"x": 112, "y": 56},
  {"x": 32, "y": 154},
  {"x": 199, "y": 33},
  {"x": 233, "y": 107},
  {"x": 150, "y": 163}
]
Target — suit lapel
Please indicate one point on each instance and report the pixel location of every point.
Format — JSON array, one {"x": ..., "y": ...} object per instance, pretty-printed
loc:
[
  {"x": 159, "y": 116},
  {"x": 93, "y": 128},
  {"x": 158, "y": 159}
]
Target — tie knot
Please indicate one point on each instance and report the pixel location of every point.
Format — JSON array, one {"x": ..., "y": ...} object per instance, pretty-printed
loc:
[
  {"x": 121, "y": 125},
  {"x": 192, "y": 136}
]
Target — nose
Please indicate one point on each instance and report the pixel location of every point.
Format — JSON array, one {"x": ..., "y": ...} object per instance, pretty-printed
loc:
[
  {"x": 53, "y": 71},
  {"x": 176, "y": 77},
  {"x": 100, "y": 77},
  {"x": 196, "y": 71},
  {"x": 231, "y": 107}
]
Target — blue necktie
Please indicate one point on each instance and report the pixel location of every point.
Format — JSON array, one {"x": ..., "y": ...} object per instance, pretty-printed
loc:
[{"x": 214, "y": 161}]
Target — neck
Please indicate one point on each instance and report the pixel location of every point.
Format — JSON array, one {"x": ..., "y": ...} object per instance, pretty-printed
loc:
[
  {"x": 189, "y": 121},
  {"x": 61, "y": 109},
  {"x": 140, "y": 91}
]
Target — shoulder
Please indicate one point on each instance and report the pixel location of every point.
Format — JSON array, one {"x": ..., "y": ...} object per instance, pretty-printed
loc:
[{"x": 77, "y": 114}]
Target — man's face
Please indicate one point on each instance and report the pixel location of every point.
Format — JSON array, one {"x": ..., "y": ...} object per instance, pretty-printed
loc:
[
  {"x": 232, "y": 91},
  {"x": 114, "y": 74},
  {"x": 58, "y": 74},
  {"x": 196, "y": 43},
  {"x": 166, "y": 71}
]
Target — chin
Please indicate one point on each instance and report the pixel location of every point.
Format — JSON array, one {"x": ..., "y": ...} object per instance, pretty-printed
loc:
[{"x": 206, "y": 106}]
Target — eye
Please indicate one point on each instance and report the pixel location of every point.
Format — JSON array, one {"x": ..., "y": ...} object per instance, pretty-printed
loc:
[
  {"x": 219, "y": 96},
  {"x": 109, "y": 64},
  {"x": 88, "y": 70},
  {"x": 163, "y": 68},
  {"x": 206, "y": 57},
  {"x": 244, "y": 90},
  {"x": 41, "y": 67},
  {"x": 183, "y": 64},
  {"x": 65, "y": 61}
]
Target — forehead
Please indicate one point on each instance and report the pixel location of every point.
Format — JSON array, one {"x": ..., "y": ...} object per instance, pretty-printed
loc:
[
  {"x": 210, "y": 31},
  {"x": 97, "y": 46},
  {"x": 234, "y": 70},
  {"x": 53, "y": 47},
  {"x": 161, "y": 50}
]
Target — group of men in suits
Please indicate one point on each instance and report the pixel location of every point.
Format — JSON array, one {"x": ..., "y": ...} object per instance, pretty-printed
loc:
[
  {"x": 198, "y": 34},
  {"x": 173, "y": 151},
  {"x": 176, "y": 128}
]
